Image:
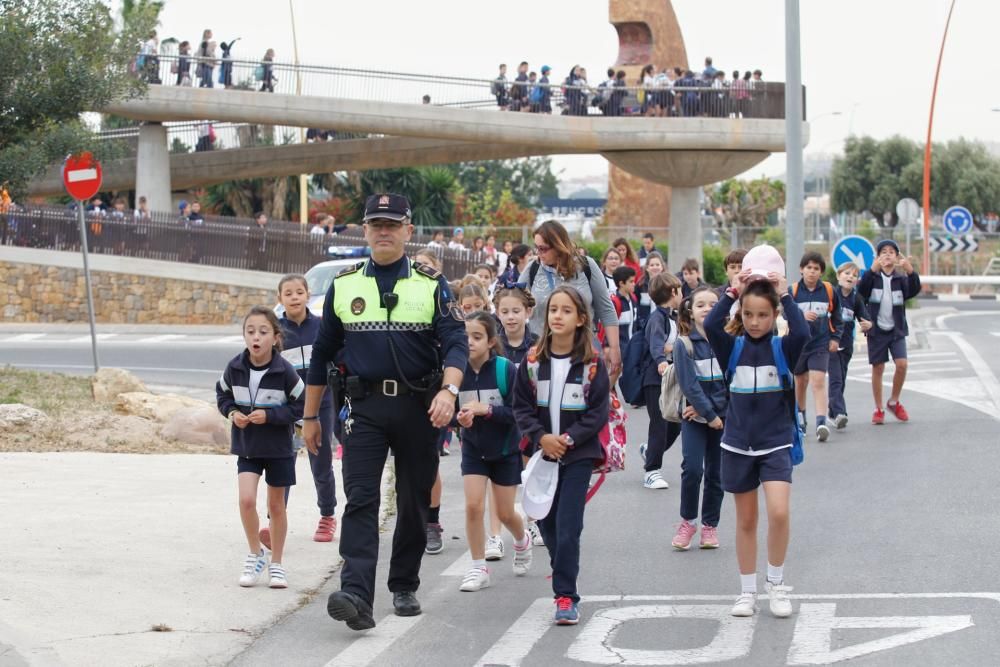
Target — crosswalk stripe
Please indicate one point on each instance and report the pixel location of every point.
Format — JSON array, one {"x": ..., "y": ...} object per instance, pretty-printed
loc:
[
  {"x": 23, "y": 337},
  {"x": 160, "y": 338},
  {"x": 86, "y": 339},
  {"x": 363, "y": 650}
]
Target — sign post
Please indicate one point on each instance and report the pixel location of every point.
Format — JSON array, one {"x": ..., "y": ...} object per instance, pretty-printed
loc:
[
  {"x": 82, "y": 178},
  {"x": 854, "y": 249},
  {"x": 908, "y": 211}
]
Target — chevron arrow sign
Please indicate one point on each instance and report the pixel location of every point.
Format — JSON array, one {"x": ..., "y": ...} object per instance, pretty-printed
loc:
[{"x": 956, "y": 244}]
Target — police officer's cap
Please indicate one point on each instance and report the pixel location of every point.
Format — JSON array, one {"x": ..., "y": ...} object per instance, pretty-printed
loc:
[{"x": 387, "y": 207}]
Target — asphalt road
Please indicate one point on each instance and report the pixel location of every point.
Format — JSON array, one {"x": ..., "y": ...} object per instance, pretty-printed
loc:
[{"x": 893, "y": 550}]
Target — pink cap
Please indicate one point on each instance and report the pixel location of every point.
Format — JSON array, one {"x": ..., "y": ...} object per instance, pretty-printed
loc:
[{"x": 762, "y": 260}]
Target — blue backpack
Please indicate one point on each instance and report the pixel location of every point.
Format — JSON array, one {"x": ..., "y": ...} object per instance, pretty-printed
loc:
[
  {"x": 635, "y": 358},
  {"x": 787, "y": 381}
]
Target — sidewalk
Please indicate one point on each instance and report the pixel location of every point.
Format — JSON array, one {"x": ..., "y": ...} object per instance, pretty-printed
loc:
[
  {"x": 150, "y": 329},
  {"x": 100, "y": 548}
]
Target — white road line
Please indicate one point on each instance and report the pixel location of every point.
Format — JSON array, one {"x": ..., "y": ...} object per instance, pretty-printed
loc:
[
  {"x": 363, "y": 650},
  {"x": 22, "y": 337},
  {"x": 515, "y": 645},
  {"x": 226, "y": 340},
  {"x": 460, "y": 566},
  {"x": 86, "y": 339},
  {"x": 158, "y": 339},
  {"x": 928, "y": 355},
  {"x": 940, "y": 320},
  {"x": 979, "y": 365},
  {"x": 152, "y": 369}
]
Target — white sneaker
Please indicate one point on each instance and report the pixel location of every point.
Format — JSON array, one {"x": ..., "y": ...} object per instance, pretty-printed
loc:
[
  {"x": 822, "y": 432},
  {"x": 278, "y": 578},
  {"x": 494, "y": 547},
  {"x": 536, "y": 534},
  {"x": 642, "y": 452},
  {"x": 522, "y": 558},
  {"x": 746, "y": 605},
  {"x": 781, "y": 606},
  {"x": 654, "y": 480},
  {"x": 475, "y": 579},
  {"x": 253, "y": 567},
  {"x": 840, "y": 421}
]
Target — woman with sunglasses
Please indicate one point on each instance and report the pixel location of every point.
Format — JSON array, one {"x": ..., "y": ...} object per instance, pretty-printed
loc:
[{"x": 558, "y": 263}]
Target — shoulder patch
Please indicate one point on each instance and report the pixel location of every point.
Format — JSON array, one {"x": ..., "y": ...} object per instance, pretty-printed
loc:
[
  {"x": 350, "y": 269},
  {"x": 426, "y": 270}
]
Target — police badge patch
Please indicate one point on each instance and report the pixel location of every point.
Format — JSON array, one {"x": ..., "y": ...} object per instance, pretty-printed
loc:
[
  {"x": 358, "y": 306},
  {"x": 456, "y": 312}
]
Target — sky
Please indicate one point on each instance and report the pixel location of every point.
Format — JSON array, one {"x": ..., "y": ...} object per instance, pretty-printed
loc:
[{"x": 870, "y": 60}]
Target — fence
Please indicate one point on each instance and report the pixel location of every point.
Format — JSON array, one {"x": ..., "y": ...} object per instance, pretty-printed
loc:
[
  {"x": 753, "y": 100},
  {"x": 278, "y": 247}
]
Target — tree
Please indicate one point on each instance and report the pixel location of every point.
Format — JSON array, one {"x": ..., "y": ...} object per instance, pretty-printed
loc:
[
  {"x": 60, "y": 58},
  {"x": 527, "y": 179},
  {"x": 745, "y": 203},
  {"x": 963, "y": 172},
  {"x": 277, "y": 197}
]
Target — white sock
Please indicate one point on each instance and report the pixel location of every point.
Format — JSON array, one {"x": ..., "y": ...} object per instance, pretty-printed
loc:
[
  {"x": 749, "y": 582},
  {"x": 775, "y": 573},
  {"x": 523, "y": 543},
  {"x": 481, "y": 564}
]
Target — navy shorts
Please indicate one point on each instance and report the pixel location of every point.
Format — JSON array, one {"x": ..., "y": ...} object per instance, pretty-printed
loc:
[
  {"x": 813, "y": 360},
  {"x": 883, "y": 343},
  {"x": 742, "y": 473},
  {"x": 502, "y": 472},
  {"x": 279, "y": 472}
]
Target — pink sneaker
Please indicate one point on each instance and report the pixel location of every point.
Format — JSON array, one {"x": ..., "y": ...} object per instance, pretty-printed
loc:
[
  {"x": 325, "y": 530},
  {"x": 709, "y": 537},
  {"x": 685, "y": 533}
]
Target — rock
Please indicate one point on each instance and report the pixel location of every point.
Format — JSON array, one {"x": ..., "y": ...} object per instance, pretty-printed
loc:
[
  {"x": 203, "y": 426},
  {"x": 108, "y": 383},
  {"x": 157, "y": 407},
  {"x": 18, "y": 414}
]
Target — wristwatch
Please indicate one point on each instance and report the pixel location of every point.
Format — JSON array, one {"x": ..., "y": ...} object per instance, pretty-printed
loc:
[{"x": 451, "y": 389}]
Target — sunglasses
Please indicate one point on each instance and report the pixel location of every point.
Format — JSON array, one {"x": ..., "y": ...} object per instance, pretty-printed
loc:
[{"x": 542, "y": 248}]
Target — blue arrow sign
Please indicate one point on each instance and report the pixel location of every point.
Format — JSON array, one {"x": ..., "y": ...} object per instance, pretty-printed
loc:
[
  {"x": 957, "y": 220},
  {"x": 855, "y": 249}
]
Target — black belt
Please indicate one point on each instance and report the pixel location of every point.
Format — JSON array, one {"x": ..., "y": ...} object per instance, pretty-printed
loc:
[{"x": 358, "y": 388}]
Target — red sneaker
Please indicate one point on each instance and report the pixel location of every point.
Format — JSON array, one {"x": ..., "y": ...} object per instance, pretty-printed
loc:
[
  {"x": 878, "y": 416},
  {"x": 325, "y": 530},
  {"x": 898, "y": 411},
  {"x": 265, "y": 537}
]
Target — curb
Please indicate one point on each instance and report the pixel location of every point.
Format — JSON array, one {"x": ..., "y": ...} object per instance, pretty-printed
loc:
[{"x": 959, "y": 297}]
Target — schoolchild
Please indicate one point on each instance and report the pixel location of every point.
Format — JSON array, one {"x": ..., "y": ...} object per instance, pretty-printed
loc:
[
  {"x": 625, "y": 301},
  {"x": 262, "y": 395},
  {"x": 852, "y": 308},
  {"x": 691, "y": 276},
  {"x": 299, "y": 328},
  {"x": 703, "y": 387},
  {"x": 654, "y": 266},
  {"x": 820, "y": 306},
  {"x": 473, "y": 297},
  {"x": 561, "y": 404},
  {"x": 490, "y": 450},
  {"x": 661, "y": 331},
  {"x": 891, "y": 281},
  {"x": 734, "y": 264},
  {"x": 759, "y": 425},
  {"x": 514, "y": 306}
]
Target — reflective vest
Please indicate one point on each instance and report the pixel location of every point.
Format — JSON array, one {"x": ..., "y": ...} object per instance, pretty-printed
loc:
[{"x": 356, "y": 302}]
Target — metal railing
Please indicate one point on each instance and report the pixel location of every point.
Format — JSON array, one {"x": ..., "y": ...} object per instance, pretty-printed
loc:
[
  {"x": 755, "y": 100},
  {"x": 278, "y": 247}
]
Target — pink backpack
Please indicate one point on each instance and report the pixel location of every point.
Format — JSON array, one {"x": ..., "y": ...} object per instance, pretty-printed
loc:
[{"x": 612, "y": 434}]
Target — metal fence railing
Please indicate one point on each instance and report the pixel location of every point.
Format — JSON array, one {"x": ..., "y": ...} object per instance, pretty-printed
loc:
[
  {"x": 278, "y": 247},
  {"x": 751, "y": 99}
]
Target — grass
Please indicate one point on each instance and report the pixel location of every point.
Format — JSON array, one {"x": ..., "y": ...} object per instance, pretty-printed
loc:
[{"x": 52, "y": 393}]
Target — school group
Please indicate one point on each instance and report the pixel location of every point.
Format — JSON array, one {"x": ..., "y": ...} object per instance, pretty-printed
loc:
[{"x": 726, "y": 369}]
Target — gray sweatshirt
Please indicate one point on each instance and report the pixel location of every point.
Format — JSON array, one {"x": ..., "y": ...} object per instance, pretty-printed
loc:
[{"x": 595, "y": 293}]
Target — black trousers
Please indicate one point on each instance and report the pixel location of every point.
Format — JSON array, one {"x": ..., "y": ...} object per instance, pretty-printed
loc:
[
  {"x": 662, "y": 433},
  {"x": 380, "y": 423}
]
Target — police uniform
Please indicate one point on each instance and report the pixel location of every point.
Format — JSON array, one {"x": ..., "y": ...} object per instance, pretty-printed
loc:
[{"x": 391, "y": 360}]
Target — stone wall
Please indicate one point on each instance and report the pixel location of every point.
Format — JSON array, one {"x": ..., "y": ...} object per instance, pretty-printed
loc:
[{"x": 43, "y": 292}]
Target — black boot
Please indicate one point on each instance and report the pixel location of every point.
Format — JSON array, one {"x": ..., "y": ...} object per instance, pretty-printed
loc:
[
  {"x": 405, "y": 603},
  {"x": 347, "y": 607}
]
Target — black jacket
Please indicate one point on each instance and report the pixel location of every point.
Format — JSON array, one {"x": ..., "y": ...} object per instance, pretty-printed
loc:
[{"x": 494, "y": 437}]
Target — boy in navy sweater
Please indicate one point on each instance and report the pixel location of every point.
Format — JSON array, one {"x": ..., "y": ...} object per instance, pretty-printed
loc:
[
  {"x": 821, "y": 308},
  {"x": 852, "y": 308},
  {"x": 625, "y": 301},
  {"x": 891, "y": 281}
]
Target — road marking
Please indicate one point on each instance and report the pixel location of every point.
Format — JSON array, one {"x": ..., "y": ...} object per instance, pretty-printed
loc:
[
  {"x": 520, "y": 638},
  {"x": 363, "y": 650},
  {"x": 23, "y": 337},
  {"x": 158, "y": 339},
  {"x": 227, "y": 340},
  {"x": 811, "y": 643},
  {"x": 940, "y": 320},
  {"x": 979, "y": 365},
  {"x": 152, "y": 369},
  {"x": 732, "y": 640},
  {"x": 928, "y": 355},
  {"x": 86, "y": 339},
  {"x": 460, "y": 566}
]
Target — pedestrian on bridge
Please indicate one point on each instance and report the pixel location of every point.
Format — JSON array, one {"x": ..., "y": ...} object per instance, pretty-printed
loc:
[{"x": 399, "y": 344}]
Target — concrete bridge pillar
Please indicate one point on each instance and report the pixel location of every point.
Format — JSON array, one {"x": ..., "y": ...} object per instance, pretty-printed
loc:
[
  {"x": 685, "y": 228},
  {"x": 152, "y": 167}
]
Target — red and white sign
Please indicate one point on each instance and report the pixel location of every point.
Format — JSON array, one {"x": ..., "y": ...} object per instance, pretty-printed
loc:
[{"x": 82, "y": 176}]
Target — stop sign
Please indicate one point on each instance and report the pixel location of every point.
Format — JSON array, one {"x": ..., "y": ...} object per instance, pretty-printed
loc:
[{"x": 82, "y": 176}]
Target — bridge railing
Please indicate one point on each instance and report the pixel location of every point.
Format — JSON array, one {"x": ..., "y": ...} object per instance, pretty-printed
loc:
[
  {"x": 746, "y": 99},
  {"x": 279, "y": 247}
]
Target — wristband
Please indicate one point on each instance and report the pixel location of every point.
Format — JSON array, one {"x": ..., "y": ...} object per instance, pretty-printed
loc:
[{"x": 311, "y": 419}]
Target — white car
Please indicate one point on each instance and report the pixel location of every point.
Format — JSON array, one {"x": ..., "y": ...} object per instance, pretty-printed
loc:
[{"x": 319, "y": 278}]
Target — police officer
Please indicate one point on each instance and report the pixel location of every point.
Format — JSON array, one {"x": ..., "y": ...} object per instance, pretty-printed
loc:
[{"x": 391, "y": 326}]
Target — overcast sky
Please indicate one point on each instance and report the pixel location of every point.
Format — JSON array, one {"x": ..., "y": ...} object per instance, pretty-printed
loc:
[{"x": 871, "y": 60}]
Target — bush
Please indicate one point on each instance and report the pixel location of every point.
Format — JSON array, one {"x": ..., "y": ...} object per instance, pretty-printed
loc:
[{"x": 714, "y": 268}]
